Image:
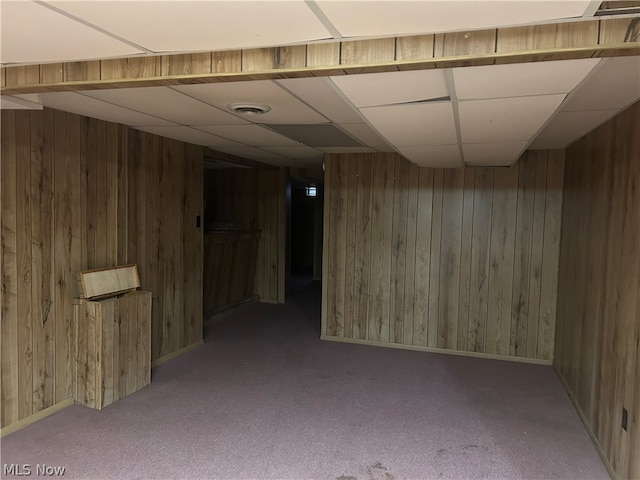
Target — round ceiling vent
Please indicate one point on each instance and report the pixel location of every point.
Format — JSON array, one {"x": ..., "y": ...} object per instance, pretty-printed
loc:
[{"x": 249, "y": 108}]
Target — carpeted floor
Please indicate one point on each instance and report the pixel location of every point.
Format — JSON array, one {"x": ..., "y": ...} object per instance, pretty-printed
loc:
[{"x": 263, "y": 398}]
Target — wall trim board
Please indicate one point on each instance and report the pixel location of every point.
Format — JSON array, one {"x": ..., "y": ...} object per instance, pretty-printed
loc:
[
  {"x": 418, "y": 348},
  {"x": 19, "y": 425},
  {"x": 585, "y": 422},
  {"x": 177, "y": 353},
  {"x": 269, "y": 300},
  {"x": 228, "y": 309}
]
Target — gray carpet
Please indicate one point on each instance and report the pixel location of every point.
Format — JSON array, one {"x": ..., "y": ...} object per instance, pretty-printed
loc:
[{"x": 263, "y": 398}]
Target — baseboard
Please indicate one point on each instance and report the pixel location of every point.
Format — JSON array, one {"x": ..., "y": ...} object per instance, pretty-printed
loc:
[
  {"x": 177, "y": 353},
  {"x": 587, "y": 426},
  {"x": 229, "y": 308},
  {"x": 268, "y": 300},
  {"x": 14, "y": 427},
  {"x": 418, "y": 348}
]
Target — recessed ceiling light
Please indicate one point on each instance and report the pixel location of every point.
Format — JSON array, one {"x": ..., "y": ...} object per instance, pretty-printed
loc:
[{"x": 249, "y": 108}]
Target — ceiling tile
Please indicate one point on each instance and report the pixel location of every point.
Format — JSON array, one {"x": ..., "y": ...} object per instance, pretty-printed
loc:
[
  {"x": 190, "y": 135},
  {"x": 414, "y": 125},
  {"x": 90, "y": 107},
  {"x": 364, "y": 133},
  {"x": 347, "y": 149},
  {"x": 493, "y": 154},
  {"x": 323, "y": 96},
  {"x": 522, "y": 79},
  {"x": 8, "y": 102},
  {"x": 323, "y": 135},
  {"x": 366, "y": 18},
  {"x": 505, "y": 119},
  {"x": 298, "y": 153},
  {"x": 31, "y": 33},
  {"x": 285, "y": 108},
  {"x": 567, "y": 127},
  {"x": 202, "y": 25},
  {"x": 434, "y": 156},
  {"x": 615, "y": 84},
  {"x": 259, "y": 155},
  {"x": 253, "y": 135},
  {"x": 374, "y": 89},
  {"x": 167, "y": 103}
]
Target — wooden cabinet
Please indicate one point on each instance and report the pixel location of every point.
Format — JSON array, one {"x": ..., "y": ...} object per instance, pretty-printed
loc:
[{"x": 113, "y": 347}]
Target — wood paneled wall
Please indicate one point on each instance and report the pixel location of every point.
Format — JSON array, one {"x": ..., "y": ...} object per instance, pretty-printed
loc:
[
  {"x": 254, "y": 198},
  {"x": 79, "y": 193},
  {"x": 598, "y": 332},
  {"x": 456, "y": 259}
]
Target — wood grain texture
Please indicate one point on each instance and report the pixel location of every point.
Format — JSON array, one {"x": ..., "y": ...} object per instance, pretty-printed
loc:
[
  {"x": 603, "y": 37},
  {"x": 186, "y": 64},
  {"x": 254, "y": 200},
  {"x": 9, "y": 326},
  {"x": 110, "y": 364},
  {"x": 85, "y": 197},
  {"x": 597, "y": 347},
  {"x": 434, "y": 254}
]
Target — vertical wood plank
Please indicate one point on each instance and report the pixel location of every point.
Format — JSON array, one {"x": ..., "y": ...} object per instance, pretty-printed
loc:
[
  {"x": 108, "y": 352},
  {"x": 411, "y": 260},
  {"x": 323, "y": 54},
  {"x": 434, "y": 271},
  {"x": 399, "y": 249},
  {"x": 367, "y": 51},
  {"x": 291, "y": 57},
  {"x": 193, "y": 241},
  {"x": 415, "y": 47},
  {"x": 338, "y": 219},
  {"x": 351, "y": 297},
  {"x": 81, "y": 71},
  {"x": 423, "y": 256},
  {"x": 257, "y": 59},
  {"x": 326, "y": 284},
  {"x": 450, "y": 253},
  {"x": 9, "y": 324},
  {"x": 362, "y": 272},
  {"x": 501, "y": 263},
  {"x": 230, "y": 61},
  {"x": 520, "y": 319},
  {"x": 480, "y": 255},
  {"x": 381, "y": 226},
  {"x": 51, "y": 73},
  {"x": 24, "y": 278},
  {"x": 465, "y": 259},
  {"x": 537, "y": 245},
  {"x": 186, "y": 64},
  {"x": 549, "y": 278},
  {"x": 41, "y": 258}
]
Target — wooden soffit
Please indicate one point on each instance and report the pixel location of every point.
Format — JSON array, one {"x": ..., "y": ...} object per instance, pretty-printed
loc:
[{"x": 604, "y": 37}]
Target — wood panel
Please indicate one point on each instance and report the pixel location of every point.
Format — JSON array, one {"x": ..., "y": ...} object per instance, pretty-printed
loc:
[
  {"x": 603, "y": 37},
  {"x": 598, "y": 321},
  {"x": 111, "y": 365},
  {"x": 253, "y": 199},
  {"x": 79, "y": 193},
  {"x": 229, "y": 269},
  {"x": 440, "y": 257}
]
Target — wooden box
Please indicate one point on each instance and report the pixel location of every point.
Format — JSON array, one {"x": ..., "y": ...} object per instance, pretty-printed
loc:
[{"x": 113, "y": 347}]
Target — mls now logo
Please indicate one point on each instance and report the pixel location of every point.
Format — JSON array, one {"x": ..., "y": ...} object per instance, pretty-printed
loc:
[{"x": 26, "y": 470}]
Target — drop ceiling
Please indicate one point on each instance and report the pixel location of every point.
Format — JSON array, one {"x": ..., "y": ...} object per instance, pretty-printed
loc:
[{"x": 485, "y": 115}]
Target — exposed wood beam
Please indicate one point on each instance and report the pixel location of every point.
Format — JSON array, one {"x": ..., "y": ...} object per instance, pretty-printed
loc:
[{"x": 605, "y": 37}]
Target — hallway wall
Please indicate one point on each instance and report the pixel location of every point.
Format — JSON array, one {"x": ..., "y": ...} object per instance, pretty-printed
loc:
[
  {"x": 80, "y": 193},
  {"x": 598, "y": 337},
  {"x": 447, "y": 259}
]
